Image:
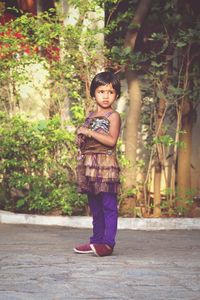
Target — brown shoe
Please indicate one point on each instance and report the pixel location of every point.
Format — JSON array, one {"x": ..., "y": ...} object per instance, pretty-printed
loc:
[{"x": 101, "y": 249}]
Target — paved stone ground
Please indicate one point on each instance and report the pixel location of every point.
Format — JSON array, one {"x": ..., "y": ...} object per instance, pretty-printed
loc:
[{"x": 37, "y": 262}]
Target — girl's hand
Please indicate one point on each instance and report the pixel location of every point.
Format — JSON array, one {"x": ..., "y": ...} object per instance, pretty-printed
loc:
[
  {"x": 82, "y": 130},
  {"x": 78, "y": 140}
]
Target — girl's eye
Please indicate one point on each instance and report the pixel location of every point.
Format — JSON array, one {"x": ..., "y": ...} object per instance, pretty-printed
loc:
[{"x": 102, "y": 92}]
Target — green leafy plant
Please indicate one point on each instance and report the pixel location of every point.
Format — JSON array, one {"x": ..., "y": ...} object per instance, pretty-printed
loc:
[{"x": 37, "y": 166}]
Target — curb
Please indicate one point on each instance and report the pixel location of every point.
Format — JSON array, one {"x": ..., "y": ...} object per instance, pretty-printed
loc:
[{"x": 86, "y": 222}]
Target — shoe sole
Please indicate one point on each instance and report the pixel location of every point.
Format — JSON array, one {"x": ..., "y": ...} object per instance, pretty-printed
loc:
[{"x": 82, "y": 252}]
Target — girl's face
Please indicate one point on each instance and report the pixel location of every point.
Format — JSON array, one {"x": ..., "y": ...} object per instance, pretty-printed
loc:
[{"x": 105, "y": 96}]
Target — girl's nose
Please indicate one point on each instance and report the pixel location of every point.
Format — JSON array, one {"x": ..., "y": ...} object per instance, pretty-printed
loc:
[{"x": 105, "y": 95}]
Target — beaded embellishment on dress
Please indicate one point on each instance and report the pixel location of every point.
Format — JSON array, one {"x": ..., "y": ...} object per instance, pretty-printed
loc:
[{"x": 100, "y": 123}]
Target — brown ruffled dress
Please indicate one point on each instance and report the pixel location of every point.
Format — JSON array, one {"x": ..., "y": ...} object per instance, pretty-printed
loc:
[{"x": 97, "y": 168}]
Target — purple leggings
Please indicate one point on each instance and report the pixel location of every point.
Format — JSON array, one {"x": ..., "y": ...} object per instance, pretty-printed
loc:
[{"x": 104, "y": 212}]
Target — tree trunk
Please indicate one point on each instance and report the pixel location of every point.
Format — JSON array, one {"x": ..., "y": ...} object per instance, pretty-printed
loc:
[
  {"x": 157, "y": 186},
  {"x": 159, "y": 159},
  {"x": 29, "y": 6},
  {"x": 133, "y": 117},
  {"x": 184, "y": 158},
  {"x": 139, "y": 17},
  {"x": 134, "y": 110},
  {"x": 131, "y": 128}
]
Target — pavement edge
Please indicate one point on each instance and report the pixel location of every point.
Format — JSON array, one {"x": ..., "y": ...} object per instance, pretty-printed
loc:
[{"x": 86, "y": 222}]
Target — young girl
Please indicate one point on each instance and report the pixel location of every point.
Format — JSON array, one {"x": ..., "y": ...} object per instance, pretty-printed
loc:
[{"x": 98, "y": 170}]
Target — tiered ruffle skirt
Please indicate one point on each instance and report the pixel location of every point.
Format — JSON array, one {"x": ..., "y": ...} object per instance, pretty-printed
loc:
[{"x": 98, "y": 173}]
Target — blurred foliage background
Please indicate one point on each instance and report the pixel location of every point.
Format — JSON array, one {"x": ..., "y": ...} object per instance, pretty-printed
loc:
[{"x": 49, "y": 52}]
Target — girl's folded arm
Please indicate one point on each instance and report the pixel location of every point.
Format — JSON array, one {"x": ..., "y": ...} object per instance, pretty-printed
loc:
[{"x": 109, "y": 139}]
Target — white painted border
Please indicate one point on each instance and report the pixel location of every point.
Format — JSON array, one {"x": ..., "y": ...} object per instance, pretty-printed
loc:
[{"x": 86, "y": 222}]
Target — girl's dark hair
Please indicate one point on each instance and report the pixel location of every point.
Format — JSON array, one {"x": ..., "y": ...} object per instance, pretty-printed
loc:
[{"x": 105, "y": 78}]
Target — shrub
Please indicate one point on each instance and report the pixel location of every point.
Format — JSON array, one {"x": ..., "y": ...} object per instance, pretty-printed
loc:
[{"x": 37, "y": 167}]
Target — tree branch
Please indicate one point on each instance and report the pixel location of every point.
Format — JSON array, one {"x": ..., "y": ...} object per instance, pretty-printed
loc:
[{"x": 140, "y": 14}]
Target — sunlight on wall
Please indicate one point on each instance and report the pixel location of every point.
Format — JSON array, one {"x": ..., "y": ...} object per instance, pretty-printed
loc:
[{"x": 35, "y": 95}]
